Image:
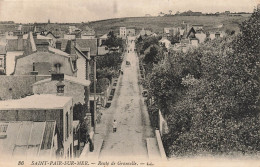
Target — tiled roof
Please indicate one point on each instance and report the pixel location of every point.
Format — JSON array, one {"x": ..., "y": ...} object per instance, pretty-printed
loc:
[
  {"x": 27, "y": 138},
  {"x": 88, "y": 43},
  {"x": 63, "y": 43}
]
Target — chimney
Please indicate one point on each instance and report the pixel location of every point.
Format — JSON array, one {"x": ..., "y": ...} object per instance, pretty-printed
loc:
[
  {"x": 42, "y": 46},
  {"x": 20, "y": 42},
  {"x": 34, "y": 36},
  {"x": 58, "y": 45}
]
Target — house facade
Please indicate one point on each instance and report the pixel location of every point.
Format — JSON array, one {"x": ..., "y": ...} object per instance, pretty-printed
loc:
[
  {"x": 73, "y": 87},
  {"x": 45, "y": 61}
]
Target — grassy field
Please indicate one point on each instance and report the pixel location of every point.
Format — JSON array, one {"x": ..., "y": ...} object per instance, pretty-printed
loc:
[{"x": 158, "y": 23}]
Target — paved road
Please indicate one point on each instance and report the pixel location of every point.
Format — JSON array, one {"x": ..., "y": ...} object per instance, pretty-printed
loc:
[{"x": 131, "y": 114}]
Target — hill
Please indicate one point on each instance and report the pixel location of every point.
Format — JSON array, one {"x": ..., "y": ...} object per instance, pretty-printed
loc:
[{"x": 158, "y": 23}]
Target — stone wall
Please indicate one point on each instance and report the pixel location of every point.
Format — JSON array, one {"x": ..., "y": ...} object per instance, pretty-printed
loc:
[
  {"x": 15, "y": 87},
  {"x": 76, "y": 91}
]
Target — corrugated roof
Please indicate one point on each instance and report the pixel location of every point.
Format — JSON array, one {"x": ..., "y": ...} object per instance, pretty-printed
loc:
[
  {"x": 27, "y": 138},
  {"x": 36, "y": 102}
]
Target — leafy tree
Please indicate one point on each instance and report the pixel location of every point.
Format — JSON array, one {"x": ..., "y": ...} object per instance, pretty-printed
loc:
[{"x": 113, "y": 41}]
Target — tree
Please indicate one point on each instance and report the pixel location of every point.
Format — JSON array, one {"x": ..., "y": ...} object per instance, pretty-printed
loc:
[
  {"x": 113, "y": 41},
  {"x": 222, "y": 106}
]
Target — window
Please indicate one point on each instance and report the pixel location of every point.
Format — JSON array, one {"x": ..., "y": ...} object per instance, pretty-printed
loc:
[
  {"x": 67, "y": 125},
  {"x": 3, "y": 129},
  {"x": 1, "y": 62},
  {"x": 33, "y": 66}
]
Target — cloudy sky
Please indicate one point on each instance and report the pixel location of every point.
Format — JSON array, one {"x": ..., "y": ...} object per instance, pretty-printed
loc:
[{"x": 88, "y": 10}]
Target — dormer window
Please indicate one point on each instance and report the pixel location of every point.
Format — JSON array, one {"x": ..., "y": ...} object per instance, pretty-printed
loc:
[
  {"x": 57, "y": 65},
  {"x": 60, "y": 87}
]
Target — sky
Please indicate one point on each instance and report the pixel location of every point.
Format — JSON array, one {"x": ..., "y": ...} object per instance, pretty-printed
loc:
[{"x": 72, "y": 11}]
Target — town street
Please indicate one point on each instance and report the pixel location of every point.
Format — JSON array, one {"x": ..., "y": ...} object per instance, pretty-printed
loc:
[{"x": 129, "y": 111}]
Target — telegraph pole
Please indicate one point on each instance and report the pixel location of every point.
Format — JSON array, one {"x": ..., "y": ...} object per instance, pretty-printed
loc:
[{"x": 95, "y": 84}]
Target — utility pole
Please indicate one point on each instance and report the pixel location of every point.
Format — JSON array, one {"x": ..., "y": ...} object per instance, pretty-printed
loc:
[{"x": 95, "y": 84}]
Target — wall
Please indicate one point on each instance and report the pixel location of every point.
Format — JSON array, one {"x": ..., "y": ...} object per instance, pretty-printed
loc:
[
  {"x": 67, "y": 142},
  {"x": 13, "y": 87},
  {"x": 10, "y": 61},
  {"x": 81, "y": 66},
  {"x": 76, "y": 91}
]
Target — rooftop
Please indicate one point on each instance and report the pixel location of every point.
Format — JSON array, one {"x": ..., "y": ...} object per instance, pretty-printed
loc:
[
  {"x": 36, "y": 102},
  {"x": 68, "y": 78},
  {"x": 26, "y": 138},
  {"x": 88, "y": 43}
]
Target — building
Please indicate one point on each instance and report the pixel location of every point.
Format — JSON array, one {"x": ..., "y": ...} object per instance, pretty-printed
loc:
[
  {"x": 69, "y": 36},
  {"x": 122, "y": 32},
  {"x": 102, "y": 39},
  {"x": 2, "y": 59},
  {"x": 197, "y": 27},
  {"x": 29, "y": 139},
  {"x": 43, "y": 108},
  {"x": 88, "y": 33},
  {"x": 74, "y": 87},
  {"x": 216, "y": 34},
  {"x": 44, "y": 61},
  {"x": 165, "y": 42},
  {"x": 144, "y": 32},
  {"x": 171, "y": 31},
  {"x": 130, "y": 32},
  {"x": 17, "y": 46}
]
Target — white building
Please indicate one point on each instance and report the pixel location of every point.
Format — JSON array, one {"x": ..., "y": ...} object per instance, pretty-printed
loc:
[{"x": 122, "y": 32}]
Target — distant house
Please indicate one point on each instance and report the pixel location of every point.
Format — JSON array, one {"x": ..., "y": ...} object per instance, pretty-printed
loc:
[
  {"x": 144, "y": 32},
  {"x": 41, "y": 108},
  {"x": 154, "y": 35},
  {"x": 197, "y": 27},
  {"x": 217, "y": 34},
  {"x": 122, "y": 32},
  {"x": 165, "y": 42},
  {"x": 130, "y": 32},
  {"x": 69, "y": 36},
  {"x": 201, "y": 37},
  {"x": 29, "y": 139},
  {"x": 171, "y": 31},
  {"x": 88, "y": 33},
  {"x": 102, "y": 39},
  {"x": 52, "y": 37},
  {"x": 194, "y": 41}
]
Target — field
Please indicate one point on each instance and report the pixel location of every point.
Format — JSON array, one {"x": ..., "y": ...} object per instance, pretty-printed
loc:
[{"x": 156, "y": 24}]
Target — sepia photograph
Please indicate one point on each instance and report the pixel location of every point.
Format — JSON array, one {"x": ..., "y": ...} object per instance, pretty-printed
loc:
[{"x": 148, "y": 83}]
